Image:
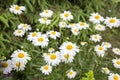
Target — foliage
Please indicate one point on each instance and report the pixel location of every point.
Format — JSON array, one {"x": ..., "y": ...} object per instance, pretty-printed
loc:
[{"x": 84, "y": 61}]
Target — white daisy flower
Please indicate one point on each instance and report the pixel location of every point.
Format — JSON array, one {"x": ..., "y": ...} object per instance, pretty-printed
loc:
[
  {"x": 106, "y": 44},
  {"x": 46, "y": 69},
  {"x": 66, "y": 16},
  {"x": 50, "y": 50},
  {"x": 96, "y": 18},
  {"x": 112, "y": 22},
  {"x": 33, "y": 35},
  {"x": 116, "y": 63},
  {"x": 69, "y": 47},
  {"x": 83, "y": 43},
  {"x": 66, "y": 57},
  {"x": 62, "y": 24},
  {"x": 71, "y": 25},
  {"x": 114, "y": 76},
  {"x": 116, "y": 51},
  {"x": 71, "y": 74},
  {"x": 20, "y": 55},
  {"x": 6, "y": 66},
  {"x": 96, "y": 37},
  {"x": 44, "y": 21},
  {"x": 100, "y": 27},
  {"x": 100, "y": 50},
  {"x": 82, "y": 25},
  {"x": 52, "y": 59},
  {"x": 19, "y": 32},
  {"x": 75, "y": 31},
  {"x": 18, "y": 65},
  {"x": 105, "y": 70},
  {"x": 25, "y": 27},
  {"x": 53, "y": 34},
  {"x": 41, "y": 40},
  {"x": 47, "y": 13},
  {"x": 17, "y": 9}
]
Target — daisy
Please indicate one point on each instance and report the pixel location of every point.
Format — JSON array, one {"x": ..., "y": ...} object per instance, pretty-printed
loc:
[
  {"x": 69, "y": 47},
  {"x": 114, "y": 76},
  {"x": 52, "y": 59},
  {"x": 71, "y": 25},
  {"x": 116, "y": 63},
  {"x": 106, "y": 44},
  {"x": 100, "y": 50},
  {"x": 96, "y": 18},
  {"x": 19, "y": 32},
  {"x": 83, "y": 43},
  {"x": 46, "y": 69},
  {"x": 66, "y": 16},
  {"x": 96, "y": 38},
  {"x": 112, "y": 22},
  {"x": 6, "y": 66},
  {"x": 82, "y": 25},
  {"x": 71, "y": 74},
  {"x": 100, "y": 27},
  {"x": 105, "y": 70},
  {"x": 62, "y": 24},
  {"x": 116, "y": 51},
  {"x": 44, "y": 20},
  {"x": 33, "y": 35},
  {"x": 75, "y": 31},
  {"x": 66, "y": 57},
  {"x": 20, "y": 55},
  {"x": 53, "y": 34},
  {"x": 17, "y": 9},
  {"x": 47, "y": 13},
  {"x": 25, "y": 27},
  {"x": 50, "y": 50},
  {"x": 41, "y": 40},
  {"x": 18, "y": 65}
]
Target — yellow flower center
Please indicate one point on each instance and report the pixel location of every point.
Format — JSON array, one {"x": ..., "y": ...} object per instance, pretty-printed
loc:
[
  {"x": 117, "y": 50},
  {"x": 40, "y": 39},
  {"x": 82, "y": 24},
  {"x": 112, "y": 20},
  {"x": 34, "y": 34},
  {"x": 44, "y": 19},
  {"x": 24, "y": 26},
  {"x": 46, "y": 11},
  {"x": 17, "y": 8},
  {"x": 69, "y": 47},
  {"x": 75, "y": 30},
  {"x": 118, "y": 62},
  {"x": 18, "y": 64},
  {"x": 100, "y": 48},
  {"x": 66, "y": 56},
  {"x": 99, "y": 26},
  {"x": 21, "y": 55},
  {"x": 4, "y": 65},
  {"x": 97, "y": 16},
  {"x": 46, "y": 67},
  {"x": 53, "y": 56},
  {"x": 115, "y": 77},
  {"x": 53, "y": 33},
  {"x": 71, "y": 73},
  {"x": 96, "y": 37},
  {"x": 66, "y": 14},
  {"x": 19, "y": 31}
]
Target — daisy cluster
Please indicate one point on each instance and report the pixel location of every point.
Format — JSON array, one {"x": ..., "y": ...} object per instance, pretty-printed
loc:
[
  {"x": 111, "y": 22},
  {"x": 66, "y": 54},
  {"x": 67, "y": 50},
  {"x": 18, "y": 61}
]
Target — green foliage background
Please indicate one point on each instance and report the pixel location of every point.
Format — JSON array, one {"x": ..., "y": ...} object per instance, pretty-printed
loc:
[{"x": 81, "y": 9}]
